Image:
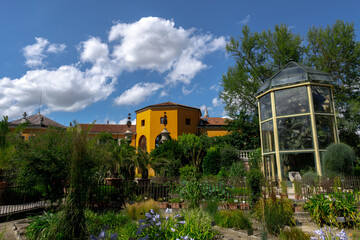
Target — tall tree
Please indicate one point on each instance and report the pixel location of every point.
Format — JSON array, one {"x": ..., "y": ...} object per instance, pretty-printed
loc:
[{"x": 258, "y": 56}]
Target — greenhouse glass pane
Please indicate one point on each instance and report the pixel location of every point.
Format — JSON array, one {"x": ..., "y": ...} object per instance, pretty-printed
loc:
[
  {"x": 295, "y": 133},
  {"x": 325, "y": 130},
  {"x": 267, "y": 130},
  {"x": 291, "y": 101},
  {"x": 297, "y": 162},
  {"x": 265, "y": 107},
  {"x": 322, "y": 99},
  {"x": 270, "y": 167}
]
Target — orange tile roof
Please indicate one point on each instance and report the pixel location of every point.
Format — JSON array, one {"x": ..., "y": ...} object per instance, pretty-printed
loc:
[
  {"x": 167, "y": 104},
  {"x": 215, "y": 121},
  {"x": 111, "y": 128}
]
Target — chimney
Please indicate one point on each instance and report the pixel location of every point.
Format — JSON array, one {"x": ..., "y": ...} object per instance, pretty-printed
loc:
[{"x": 107, "y": 121}]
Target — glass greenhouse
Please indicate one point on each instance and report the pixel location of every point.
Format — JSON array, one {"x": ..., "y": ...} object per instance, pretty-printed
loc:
[{"x": 297, "y": 120}]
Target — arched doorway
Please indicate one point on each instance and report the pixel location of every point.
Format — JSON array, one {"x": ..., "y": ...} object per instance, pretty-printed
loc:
[{"x": 142, "y": 143}]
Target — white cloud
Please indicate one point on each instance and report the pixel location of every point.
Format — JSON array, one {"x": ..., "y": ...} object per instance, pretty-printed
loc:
[
  {"x": 156, "y": 44},
  {"x": 216, "y": 102},
  {"x": 186, "y": 92},
  {"x": 124, "y": 121},
  {"x": 215, "y": 87},
  {"x": 63, "y": 89},
  {"x": 163, "y": 93},
  {"x": 246, "y": 20},
  {"x": 34, "y": 54},
  {"x": 56, "y": 48},
  {"x": 137, "y": 94}
]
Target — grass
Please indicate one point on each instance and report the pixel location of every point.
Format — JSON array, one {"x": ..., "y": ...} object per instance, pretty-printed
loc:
[
  {"x": 137, "y": 210},
  {"x": 233, "y": 219}
]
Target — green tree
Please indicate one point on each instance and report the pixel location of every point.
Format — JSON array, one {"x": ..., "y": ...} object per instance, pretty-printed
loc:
[
  {"x": 44, "y": 161},
  {"x": 258, "y": 56},
  {"x": 194, "y": 148}
]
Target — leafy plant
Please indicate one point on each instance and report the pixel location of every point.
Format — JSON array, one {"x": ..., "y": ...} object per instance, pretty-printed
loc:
[
  {"x": 229, "y": 155},
  {"x": 233, "y": 219},
  {"x": 325, "y": 209},
  {"x": 210, "y": 165},
  {"x": 278, "y": 213},
  {"x": 237, "y": 170}
]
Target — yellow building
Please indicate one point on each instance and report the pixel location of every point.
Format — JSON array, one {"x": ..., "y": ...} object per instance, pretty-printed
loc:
[{"x": 181, "y": 119}]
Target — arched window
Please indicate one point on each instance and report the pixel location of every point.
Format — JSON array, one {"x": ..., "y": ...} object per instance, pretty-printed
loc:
[{"x": 142, "y": 143}]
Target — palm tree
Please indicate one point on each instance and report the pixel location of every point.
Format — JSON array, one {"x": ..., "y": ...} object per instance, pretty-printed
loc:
[{"x": 145, "y": 161}]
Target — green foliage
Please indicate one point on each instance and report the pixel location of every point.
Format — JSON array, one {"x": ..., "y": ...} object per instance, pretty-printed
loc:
[
  {"x": 188, "y": 172},
  {"x": 137, "y": 210},
  {"x": 123, "y": 162},
  {"x": 244, "y": 132},
  {"x": 339, "y": 159},
  {"x": 39, "y": 226},
  {"x": 237, "y": 170},
  {"x": 173, "y": 153},
  {"x": 114, "y": 222},
  {"x": 255, "y": 177},
  {"x": 44, "y": 161},
  {"x": 293, "y": 233},
  {"x": 194, "y": 224},
  {"x": 324, "y": 209},
  {"x": 229, "y": 155},
  {"x": 191, "y": 190},
  {"x": 278, "y": 214},
  {"x": 194, "y": 148},
  {"x": 84, "y": 159},
  {"x": 211, "y": 162},
  {"x": 310, "y": 178},
  {"x": 233, "y": 219}
]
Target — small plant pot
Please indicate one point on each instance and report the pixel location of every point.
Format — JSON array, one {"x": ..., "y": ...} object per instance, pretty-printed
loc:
[
  {"x": 184, "y": 205},
  {"x": 222, "y": 206},
  {"x": 203, "y": 205},
  {"x": 175, "y": 205},
  {"x": 232, "y": 206},
  {"x": 244, "y": 206},
  {"x": 163, "y": 205}
]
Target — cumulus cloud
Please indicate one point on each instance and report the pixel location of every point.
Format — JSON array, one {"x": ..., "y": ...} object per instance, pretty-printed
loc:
[
  {"x": 63, "y": 89},
  {"x": 137, "y": 94},
  {"x": 35, "y": 53},
  {"x": 246, "y": 20},
  {"x": 164, "y": 93},
  {"x": 216, "y": 102},
  {"x": 156, "y": 44}
]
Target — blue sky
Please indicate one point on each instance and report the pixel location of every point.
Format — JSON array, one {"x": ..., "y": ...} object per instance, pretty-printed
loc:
[{"x": 99, "y": 60}]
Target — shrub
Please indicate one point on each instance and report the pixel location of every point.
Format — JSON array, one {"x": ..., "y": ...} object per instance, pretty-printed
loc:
[
  {"x": 310, "y": 178},
  {"x": 188, "y": 172},
  {"x": 237, "y": 170},
  {"x": 233, "y": 219},
  {"x": 211, "y": 161},
  {"x": 339, "y": 159},
  {"x": 293, "y": 233},
  {"x": 228, "y": 156},
  {"x": 38, "y": 228},
  {"x": 324, "y": 209},
  {"x": 278, "y": 214},
  {"x": 138, "y": 209}
]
